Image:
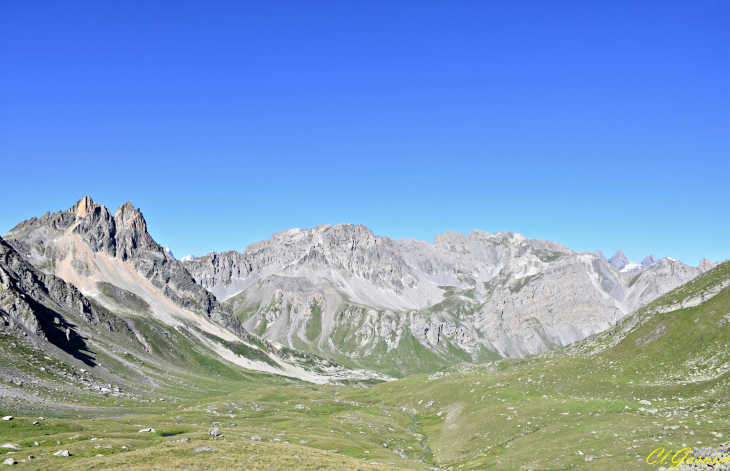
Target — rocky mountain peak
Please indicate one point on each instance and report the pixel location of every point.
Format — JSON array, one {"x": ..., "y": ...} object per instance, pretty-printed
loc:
[
  {"x": 706, "y": 264},
  {"x": 619, "y": 260},
  {"x": 648, "y": 261},
  {"x": 124, "y": 236},
  {"x": 599, "y": 253},
  {"x": 131, "y": 230},
  {"x": 83, "y": 207}
]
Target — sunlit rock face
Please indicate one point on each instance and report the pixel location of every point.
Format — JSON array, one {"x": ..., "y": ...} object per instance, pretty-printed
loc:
[{"x": 500, "y": 294}]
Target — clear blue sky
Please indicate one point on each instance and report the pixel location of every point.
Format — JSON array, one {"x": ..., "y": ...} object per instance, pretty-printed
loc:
[{"x": 598, "y": 124}]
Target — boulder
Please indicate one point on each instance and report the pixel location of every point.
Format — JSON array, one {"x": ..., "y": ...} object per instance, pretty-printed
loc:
[{"x": 204, "y": 448}]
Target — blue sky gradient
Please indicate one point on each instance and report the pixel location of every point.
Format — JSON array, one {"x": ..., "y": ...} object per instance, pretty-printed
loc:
[{"x": 594, "y": 124}]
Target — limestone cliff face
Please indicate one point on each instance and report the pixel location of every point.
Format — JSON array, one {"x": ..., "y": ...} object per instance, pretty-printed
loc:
[
  {"x": 346, "y": 249},
  {"x": 48, "y": 241},
  {"x": 483, "y": 293}
]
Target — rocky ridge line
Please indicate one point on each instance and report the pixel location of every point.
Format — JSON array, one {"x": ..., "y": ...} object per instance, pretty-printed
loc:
[{"x": 124, "y": 236}]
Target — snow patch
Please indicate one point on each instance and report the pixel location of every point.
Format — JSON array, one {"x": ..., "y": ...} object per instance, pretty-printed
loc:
[{"x": 630, "y": 266}]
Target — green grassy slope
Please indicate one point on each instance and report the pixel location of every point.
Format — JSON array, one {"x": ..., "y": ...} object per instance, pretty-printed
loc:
[{"x": 551, "y": 411}]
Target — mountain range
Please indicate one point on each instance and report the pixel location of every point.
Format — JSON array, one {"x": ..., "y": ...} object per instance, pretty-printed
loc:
[
  {"x": 121, "y": 347},
  {"x": 346, "y": 294},
  {"x": 370, "y": 301}
]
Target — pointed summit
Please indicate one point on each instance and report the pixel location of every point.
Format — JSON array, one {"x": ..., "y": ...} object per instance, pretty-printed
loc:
[
  {"x": 83, "y": 206},
  {"x": 706, "y": 264},
  {"x": 619, "y": 260},
  {"x": 599, "y": 253},
  {"x": 131, "y": 232},
  {"x": 649, "y": 261}
]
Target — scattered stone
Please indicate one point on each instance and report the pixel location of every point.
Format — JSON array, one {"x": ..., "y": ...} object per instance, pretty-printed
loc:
[
  {"x": 147, "y": 430},
  {"x": 8, "y": 417},
  {"x": 644, "y": 402},
  {"x": 303, "y": 442},
  {"x": 36, "y": 423},
  {"x": 255, "y": 437},
  {"x": 62, "y": 453},
  {"x": 203, "y": 448},
  {"x": 9, "y": 446},
  {"x": 589, "y": 458},
  {"x": 9, "y": 461}
]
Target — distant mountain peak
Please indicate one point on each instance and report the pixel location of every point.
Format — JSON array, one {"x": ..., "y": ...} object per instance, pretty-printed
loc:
[
  {"x": 599, "y": 253},
  {"x": 706, "y": 264},
  {"x": 168, "y": 251},
  {"x": 648, "y": 261},
  {"x": 619, "y": 260}
]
